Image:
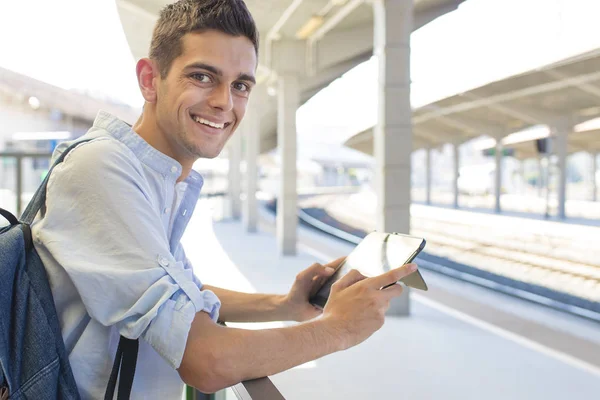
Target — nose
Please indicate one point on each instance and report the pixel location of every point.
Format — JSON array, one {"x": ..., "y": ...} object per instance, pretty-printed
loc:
[{"x": 221, "y": 98}]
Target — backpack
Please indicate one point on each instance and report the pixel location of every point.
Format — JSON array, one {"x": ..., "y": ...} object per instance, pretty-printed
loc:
[{"x": 34, "y": 363}]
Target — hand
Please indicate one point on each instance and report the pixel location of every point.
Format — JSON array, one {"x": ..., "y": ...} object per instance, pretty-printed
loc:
[
  {"x": 357, "y": 304},
  {"x": 307, "y": 283}
]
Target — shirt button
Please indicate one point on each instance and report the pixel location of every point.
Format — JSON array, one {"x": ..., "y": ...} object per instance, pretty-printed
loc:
[
  {"x": 163, "y": 261},
  {"x": 167, "y": 210},
  {"x": 173, "y": 169}
]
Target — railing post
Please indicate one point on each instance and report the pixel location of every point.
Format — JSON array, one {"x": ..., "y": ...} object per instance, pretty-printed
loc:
[
  {"x": 193, "y": 394},
  {"x": 19, "y": 172},
  {"x": 19, "y": 156}
]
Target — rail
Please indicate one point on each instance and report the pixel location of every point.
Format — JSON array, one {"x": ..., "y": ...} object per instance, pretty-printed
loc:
[{"x": 19, "y": 156}]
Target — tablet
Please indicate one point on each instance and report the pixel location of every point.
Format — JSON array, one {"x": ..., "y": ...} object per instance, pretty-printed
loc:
[{"x": 377, "y": 253}]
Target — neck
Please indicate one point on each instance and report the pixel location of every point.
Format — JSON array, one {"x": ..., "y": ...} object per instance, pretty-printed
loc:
[{"x": 147, "y": 127}]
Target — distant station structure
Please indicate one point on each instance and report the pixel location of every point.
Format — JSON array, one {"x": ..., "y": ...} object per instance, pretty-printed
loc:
[
  {"x": 561, "y": 101},
  {"x": 35, "y": 117}
]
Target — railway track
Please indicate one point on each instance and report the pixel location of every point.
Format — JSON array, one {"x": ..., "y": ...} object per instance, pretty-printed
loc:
[{"x": 552, "y": 260}]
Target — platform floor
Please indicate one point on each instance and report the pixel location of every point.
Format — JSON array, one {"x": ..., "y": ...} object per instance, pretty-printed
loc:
[{"x": 439, "y": 352}]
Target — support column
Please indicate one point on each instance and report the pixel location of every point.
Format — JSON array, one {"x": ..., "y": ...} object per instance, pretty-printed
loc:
[
  {"x": 234, "y": 176},
  {"x": 428, "y": 154},
  {"x": 560, "y": 132},
  {"x": 498, "y": 180},
  {"x": 540, "y": 179},
  {"x": 393, "y": 21},
  {"x": 288, "y": 101},
  {"x": 456, "y": 150},
  {"x": 523, "y": 182},
  {"x": 251, "y": 131},
  {"x": 594, "y": 170}
]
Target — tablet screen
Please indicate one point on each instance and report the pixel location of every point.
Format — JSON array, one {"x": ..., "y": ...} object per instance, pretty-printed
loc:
[{"x": 377, "y": 253}]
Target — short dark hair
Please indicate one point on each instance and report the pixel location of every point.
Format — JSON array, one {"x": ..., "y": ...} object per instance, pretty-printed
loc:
[{"x": 228, "y": 16}]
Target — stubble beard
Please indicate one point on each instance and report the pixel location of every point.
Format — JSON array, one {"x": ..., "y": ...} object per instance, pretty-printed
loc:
[{"x": 194, "y": 149}]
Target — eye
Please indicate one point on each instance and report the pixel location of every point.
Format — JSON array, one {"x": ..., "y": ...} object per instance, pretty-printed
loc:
[
  {"x": 202, "y": 78},
  {"x": 241, "y": 86}
]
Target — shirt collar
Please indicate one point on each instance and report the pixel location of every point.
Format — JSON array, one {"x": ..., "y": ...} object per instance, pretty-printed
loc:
[{"x": 147, "y": 154}]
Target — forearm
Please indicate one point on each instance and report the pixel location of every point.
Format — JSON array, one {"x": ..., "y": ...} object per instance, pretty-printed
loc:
[
  {"x": 267, "y": 352},
  {"x": 217, "y": 357},
  {"x": 249, "y": 307}
]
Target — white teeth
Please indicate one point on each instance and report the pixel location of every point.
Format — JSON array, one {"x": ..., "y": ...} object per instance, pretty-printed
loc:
[{"x": 207, "y": 122}]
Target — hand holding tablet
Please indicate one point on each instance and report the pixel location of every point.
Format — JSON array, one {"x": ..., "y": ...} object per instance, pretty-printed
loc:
[{"x": 376, "y": 254}]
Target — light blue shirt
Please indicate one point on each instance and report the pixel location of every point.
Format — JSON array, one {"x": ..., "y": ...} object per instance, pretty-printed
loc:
[{"x": 110, "y": 242}]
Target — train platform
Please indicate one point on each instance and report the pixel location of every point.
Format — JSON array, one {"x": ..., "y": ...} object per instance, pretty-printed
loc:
[
  {"x": 550, "y": 259},
  {"x": 460, "y": 342}
]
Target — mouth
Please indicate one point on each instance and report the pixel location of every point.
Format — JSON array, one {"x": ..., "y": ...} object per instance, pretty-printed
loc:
[{"x": 211, "y": 124}]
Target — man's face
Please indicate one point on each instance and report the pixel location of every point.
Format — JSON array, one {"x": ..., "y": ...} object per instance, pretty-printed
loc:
[{"x": 204, "y": 96}]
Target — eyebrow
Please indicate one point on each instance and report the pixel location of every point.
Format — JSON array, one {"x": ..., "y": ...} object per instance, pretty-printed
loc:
[{"x": 218, "y": 72}]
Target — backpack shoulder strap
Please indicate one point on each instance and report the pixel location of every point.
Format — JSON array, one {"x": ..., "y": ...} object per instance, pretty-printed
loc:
[
  {"x": 124, "y": 368},
  {"x": 39, "y": 198}
]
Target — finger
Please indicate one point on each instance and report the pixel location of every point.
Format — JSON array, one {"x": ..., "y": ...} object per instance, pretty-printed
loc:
[
  {"x": 335, "y": 264},
  {"x": 310, "y": 273},
  {"x": 327, "y": 270},
  {"x": 395, "y": 290},
  {"x": 322, "y": 272},
  {"x": 348, "y": 280},
  {"x": 391, "y": 276},
  {"x": 318, "y": 282}
]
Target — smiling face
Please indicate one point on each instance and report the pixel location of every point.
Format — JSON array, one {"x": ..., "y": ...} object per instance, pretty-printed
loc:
[{"x": 201, "y": 101}]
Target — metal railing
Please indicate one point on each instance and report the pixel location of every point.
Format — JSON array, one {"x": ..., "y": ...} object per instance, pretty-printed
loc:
[
  {"x": 19, "y": 156},
  {"x": 255, "y": 389}
]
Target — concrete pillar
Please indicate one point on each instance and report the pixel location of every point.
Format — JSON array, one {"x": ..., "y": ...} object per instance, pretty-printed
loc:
[
  {"x": 234, "y": 176},
  {"x": 560, "y": 132},
  {"x": 251, "y": 132},
  {"x": 594, "y": 170},
  {"x": 523, "y": 182},
  {"x": 289, "y": 58},
  {"x": 456, "y": 151},
  {"x": 393, "y": 21},
  {"x": 428, "y": 172},
  {"x": 540, "y": 180},
  {"x": 498, "y": 177},
  {"x": 288, "y": 101}
]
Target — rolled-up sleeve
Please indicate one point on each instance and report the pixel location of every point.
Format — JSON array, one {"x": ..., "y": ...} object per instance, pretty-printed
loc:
[{"x": 103, "y": 226}]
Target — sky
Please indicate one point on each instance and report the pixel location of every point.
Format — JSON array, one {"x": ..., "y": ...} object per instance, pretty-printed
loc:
[
  {"x": 89, "y": 53},
  {"x": 484, "y": 40}
]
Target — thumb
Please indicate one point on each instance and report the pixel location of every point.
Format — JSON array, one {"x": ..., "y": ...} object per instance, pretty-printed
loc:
[
  {"x": 326, "y": 270},
  {"x": 347, "y": 280},
  {"x": 335, "y": 264}
]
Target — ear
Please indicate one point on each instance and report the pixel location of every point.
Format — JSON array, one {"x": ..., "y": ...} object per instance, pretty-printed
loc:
[{"x": 147, "y": 75}]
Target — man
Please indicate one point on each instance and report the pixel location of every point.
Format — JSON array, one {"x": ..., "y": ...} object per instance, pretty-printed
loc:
[{"x": 118, "y": 205}]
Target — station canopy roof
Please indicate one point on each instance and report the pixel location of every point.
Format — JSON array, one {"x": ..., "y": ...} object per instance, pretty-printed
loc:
[
  {"x": 541, "y": 97},
  {"x": 341, "y": 30}
]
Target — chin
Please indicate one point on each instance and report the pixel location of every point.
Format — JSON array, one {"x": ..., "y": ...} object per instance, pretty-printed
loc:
[
  {"x": 210, "y": 156},
  {"x": 209, "y": 153}
]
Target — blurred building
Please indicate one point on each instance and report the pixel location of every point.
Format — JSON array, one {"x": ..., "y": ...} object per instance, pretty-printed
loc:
[{"x": 34, "y": 118}]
